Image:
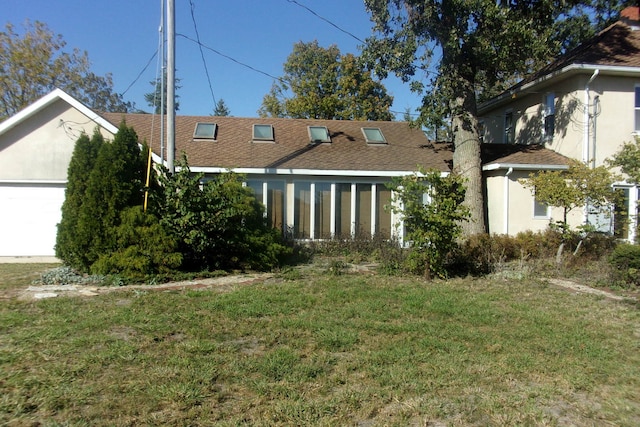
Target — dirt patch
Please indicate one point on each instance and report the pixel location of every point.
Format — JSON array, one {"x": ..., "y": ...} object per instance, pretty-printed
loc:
[
  {"x": 578, "y": 288},
  {"x": 224, "y": 283}
]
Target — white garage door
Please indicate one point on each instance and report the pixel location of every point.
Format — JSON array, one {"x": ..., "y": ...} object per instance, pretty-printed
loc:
[{"x": 28, "y": 218}]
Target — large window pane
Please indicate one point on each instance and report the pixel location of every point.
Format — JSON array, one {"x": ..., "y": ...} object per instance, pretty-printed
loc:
[
  {"x": 343, "y": 210},
  {"x": 363, "y": 210},
  {"x": 276, "y": 204},
  {"x": 383, "y": 216},
  {"x": 322, "y": 229},
  {"x": 302, "y": 211},
  {"x": 621, "y": 215}
]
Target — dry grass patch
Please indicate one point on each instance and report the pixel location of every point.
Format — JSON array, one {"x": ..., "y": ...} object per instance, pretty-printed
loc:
[{"x": 324, "y": 350}]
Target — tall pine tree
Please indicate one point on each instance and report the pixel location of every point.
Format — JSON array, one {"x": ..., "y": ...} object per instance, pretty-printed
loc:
[
  {"x": 82, "y": 162},
  {"x": 115, "y": 183}
]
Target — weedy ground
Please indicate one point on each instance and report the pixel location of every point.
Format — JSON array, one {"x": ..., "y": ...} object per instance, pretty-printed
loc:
[{"x": 312, "y": 347}]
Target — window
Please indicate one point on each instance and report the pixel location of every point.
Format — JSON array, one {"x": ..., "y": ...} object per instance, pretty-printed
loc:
[
  {"x": 318, "y": 134},
  {"x": 637, "y": 108},
  {"x": 549, "y": 116},
  {"x": 363, "y": 210},
  {"x": 343, "y": 210},
  {"x": 482, "y": 130},
  {"x": 508, "y": 127},
  {"x": 263, "y": 133},
  {"x": 302, "y": 211},
  {"x": 205, "y": 131},
  {"x": 273, "y": 200},
  {"x": 540, "y": 210},
  {"x": 322, "y": 225},
  {"x": 383, "y": 216},
  {"x": 374, "y": 136}
]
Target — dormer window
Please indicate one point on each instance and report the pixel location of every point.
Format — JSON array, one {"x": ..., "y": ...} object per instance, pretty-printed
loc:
[
  {"x": 318, "y": 134},
  {"x": 373, "y": 136},
  {"x": 263, "y": 133},
  {"x": 205, "y": 131}
]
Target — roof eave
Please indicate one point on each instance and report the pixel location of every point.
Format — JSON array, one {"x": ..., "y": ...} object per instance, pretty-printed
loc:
[
  {"x": 45, "y": 101},
  {"x": 523, "y": 166},
  {"x": 562, "y": 73},
  {"x": 314, "y": 172}
]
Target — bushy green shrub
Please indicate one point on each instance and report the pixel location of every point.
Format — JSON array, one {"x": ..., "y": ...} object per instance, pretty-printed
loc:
[
  {"x": 625, "y": 262},
  {"x": 218, "y": 223},
  {"x": 144, "y": 248}
]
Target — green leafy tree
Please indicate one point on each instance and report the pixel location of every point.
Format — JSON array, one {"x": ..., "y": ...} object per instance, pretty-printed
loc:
[
  {"x": 221, "y": 109},
  {"x": 573, "y": 188},
  {"x": 432, "y": 210},
  {"x": 472, "y": 49},
  {"x": 114, "y": 184},
  {"x": 154, "y": 99},
  {"x": 628, "y": 160},
  {"x": 324, "y": 84},
  {"x": 218, "y": 223},
  {"x": 82, "y": 162},
  {"x": 34, "y": 63}
]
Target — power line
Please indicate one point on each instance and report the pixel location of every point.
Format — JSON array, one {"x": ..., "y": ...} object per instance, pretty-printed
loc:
[
  {"x": 206, "y": 69},
  {"x": 141, "y": 72},
  {"x": 217, "y": 52},
  {"x": 326, "y": 20}
]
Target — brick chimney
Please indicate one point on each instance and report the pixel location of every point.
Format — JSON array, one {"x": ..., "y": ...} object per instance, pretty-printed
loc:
[{"x": 631, "y": 16}]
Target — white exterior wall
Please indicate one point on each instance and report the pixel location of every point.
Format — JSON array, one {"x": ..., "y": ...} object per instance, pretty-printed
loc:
[
  {"x": 510, "y": 205},
  {"x": 40, "y": 149}
]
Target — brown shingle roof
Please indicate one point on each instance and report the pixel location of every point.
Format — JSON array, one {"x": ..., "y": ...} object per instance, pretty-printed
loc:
[
  {"x": 516, "y": 154},
  {"x": 348, "y": 150},
  {"x": 617, "y": 45}
]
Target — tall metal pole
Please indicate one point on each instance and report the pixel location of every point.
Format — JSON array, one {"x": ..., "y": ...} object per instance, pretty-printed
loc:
[
  {"x": 163, "y": 71},
  {"x": 171, "y": 89}
]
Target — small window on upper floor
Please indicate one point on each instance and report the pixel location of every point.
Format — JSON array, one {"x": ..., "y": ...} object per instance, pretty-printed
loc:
[
  {"x": 549, "y": 119},
  {"x": 373, "y": 136},
  {"x": 205, "y": 131},
  {"x": 637, "y": 109},
  {"x": 482, "y": 131},
  {"x": 318, "y": 134},
  {"x": 508, "y": 128},
  {"x": 263, "y": 133}
]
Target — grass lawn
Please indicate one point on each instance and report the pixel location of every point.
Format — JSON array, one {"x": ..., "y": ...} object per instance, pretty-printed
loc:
[{"x": 321, "y": 350}]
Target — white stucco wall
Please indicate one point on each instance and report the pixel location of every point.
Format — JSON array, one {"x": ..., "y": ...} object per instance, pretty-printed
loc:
[
  {"x": 40, "y": 148},
  {"x": 611, "y": 108},
  {"x": 510, "y": 205}
]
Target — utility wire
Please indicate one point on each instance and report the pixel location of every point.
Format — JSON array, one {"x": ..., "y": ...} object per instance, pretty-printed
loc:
[
  {"x": 217, "y": 52},
  {"x": 326, "y": 20},
  {"x": 141, "y": 72},
  {"x": 206, "y": 69}
]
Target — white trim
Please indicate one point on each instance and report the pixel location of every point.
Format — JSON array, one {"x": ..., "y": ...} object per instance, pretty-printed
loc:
[
  {"x": 332, "y": 213},
  {"x": 523, "y": 166},
  {"x": 505, "y": 208},
  {"x": 313, "y": 172},
  {"x": 569, "y": 69},
  {"x": 45, "y": 101},
  {"x": 374, "y": 203},
  {"x": 32, "y": 182}
]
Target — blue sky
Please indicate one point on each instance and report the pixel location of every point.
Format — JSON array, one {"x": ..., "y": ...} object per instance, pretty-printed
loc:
[{"x": 121, "y": 36}]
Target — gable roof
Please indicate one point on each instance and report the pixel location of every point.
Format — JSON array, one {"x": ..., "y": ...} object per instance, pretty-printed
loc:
[
  {"x": 50, "y": 98},
  {"x": 615, "y": 51},
  {"x": 348, "y": 153}
]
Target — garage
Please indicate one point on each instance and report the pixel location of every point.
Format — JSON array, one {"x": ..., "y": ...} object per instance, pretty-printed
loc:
[{"x": 29, "y": 214}]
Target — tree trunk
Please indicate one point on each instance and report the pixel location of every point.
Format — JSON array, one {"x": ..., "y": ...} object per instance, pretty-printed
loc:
[{"x": 466, "y": 157}]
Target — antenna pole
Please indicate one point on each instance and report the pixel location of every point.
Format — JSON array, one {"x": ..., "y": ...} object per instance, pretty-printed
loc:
[{"x": 171, "y": 89}]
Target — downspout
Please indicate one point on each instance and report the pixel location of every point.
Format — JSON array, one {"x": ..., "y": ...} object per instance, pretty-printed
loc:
[
  {"x": 585, "y": 143},
  {"x": 506, "y": 201},
  {"x": 587, "y": 120}
]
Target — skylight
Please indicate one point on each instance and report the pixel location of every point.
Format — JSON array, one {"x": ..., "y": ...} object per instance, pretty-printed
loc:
[
  {"x": 319, "y": 134},
  {"x": 263, "y": 133},
  {"x": 374, "y": 136},
  {"x": 205, "y": 131}
]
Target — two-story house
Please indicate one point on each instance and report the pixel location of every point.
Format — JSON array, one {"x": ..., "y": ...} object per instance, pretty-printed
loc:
[{"x": 584, "y": 105}]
